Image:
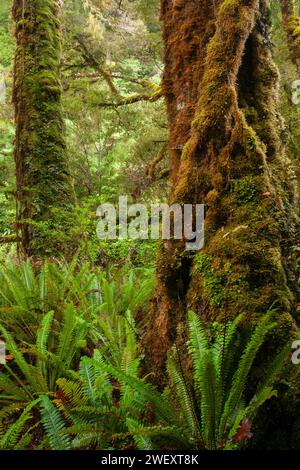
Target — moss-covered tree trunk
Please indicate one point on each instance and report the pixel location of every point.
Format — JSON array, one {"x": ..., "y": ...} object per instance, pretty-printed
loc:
[
  {"x": 221, "y": 87},
  {"x": 291, "y": 25},
  {"x": 44, "y": 187}
]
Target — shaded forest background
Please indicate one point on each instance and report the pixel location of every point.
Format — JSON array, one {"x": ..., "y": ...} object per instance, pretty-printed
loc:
[{"x": 114, "y": 149}]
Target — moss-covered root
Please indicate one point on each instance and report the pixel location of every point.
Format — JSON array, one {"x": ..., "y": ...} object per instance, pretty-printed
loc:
[{"x": 44, "y": 186}]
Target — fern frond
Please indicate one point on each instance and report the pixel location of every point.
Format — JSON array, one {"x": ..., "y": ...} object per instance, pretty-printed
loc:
[
  {"x": 244, "y": 366},
  {"x": 172, "y": 435},
  {"x": 87, "y": 374},
  {"x": 66, "y": 336},
  {"x": 54, "y": 425},
  {"x": 148, "y": 394},
  {"x": 142, "y": 442},
  {"x": 42, "y": 339},
  {"x": 17, "y": 355},
  {"x": 12, "y": 391},
  {"x": 11, "y": 409},
  {"x": 274, "y": 369},
  {"x": 10, "y": 438},
  {"x": 207, "y": 380},
  {"x": 184, "y": 396},
  {"x": 72, "y": 391}
]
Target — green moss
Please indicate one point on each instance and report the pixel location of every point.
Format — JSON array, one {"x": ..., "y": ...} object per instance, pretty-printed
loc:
[
  {"x": 248, "y": 189},
  {"x": 41, "y": 151},
  {"x": 214, "y": 284}
]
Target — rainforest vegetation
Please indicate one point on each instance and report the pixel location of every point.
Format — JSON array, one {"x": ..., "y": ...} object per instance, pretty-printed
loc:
[{"x": 133, "y": 344}]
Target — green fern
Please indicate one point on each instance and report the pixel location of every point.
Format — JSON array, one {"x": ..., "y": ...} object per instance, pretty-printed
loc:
[
  {"x": 54, "y": 425},
  {"x": 12, "y": 436},
  {"x": 209, "y": 414}
]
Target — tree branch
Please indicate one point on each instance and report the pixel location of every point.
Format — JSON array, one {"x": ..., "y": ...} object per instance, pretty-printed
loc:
[
  {"x": 90, "y": 59},
  {"x": 108, "y": 77},
  {"x": 151, "y": 97},
  {"x": 8, "y": 239},
  {"x": 150, "y": 171}
]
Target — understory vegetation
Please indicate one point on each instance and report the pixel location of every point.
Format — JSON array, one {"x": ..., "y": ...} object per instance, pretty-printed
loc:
[{"x": 72, "y": 379}]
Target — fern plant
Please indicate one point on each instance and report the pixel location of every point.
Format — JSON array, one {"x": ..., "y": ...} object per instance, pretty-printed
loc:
[
  {"x": 87, "y": 307},
  {"x": 34, "y": 369},
  {"x": 90, "y": 410},
  {"x": 18, "y": 434},
  {"x": 213, "y": 412},
  {"x": 28, "y": 292},
  {"x": 120, "y": 298}
]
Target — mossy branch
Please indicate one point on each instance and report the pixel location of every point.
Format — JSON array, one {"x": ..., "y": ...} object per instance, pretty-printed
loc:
[
  {"x": 91, "y": 60},
  {"x": 154, "y": 95},
  {"x": 8, "y": 239},
  {"x": 135, "y": 98},
  {"x": 95, "y": 76},
  {"x": 150, "y": 171}
]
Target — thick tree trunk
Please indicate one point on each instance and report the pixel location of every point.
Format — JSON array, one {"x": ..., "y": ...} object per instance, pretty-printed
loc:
[
  {"x": 221, "y": 88},
  {"x": 44, "y": 186},
  {"x": 291, "y": 25}
]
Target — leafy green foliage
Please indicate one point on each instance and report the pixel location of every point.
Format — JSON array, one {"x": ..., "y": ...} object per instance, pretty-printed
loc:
[
  {"x": 70, "y": 334},
  {"x": 213, "y": 411},
  {"x": 41, "y": 364},
  {"x": 6, "y": 52},
  {"x": 27, "y": 293},
  {"x": 53, "y": 425},
  {"x": 17, "y": 437},
  {"x": 71, "y": 328},
  {"x": 90, "y": 410},
  {"x": 53, "y": 315}
]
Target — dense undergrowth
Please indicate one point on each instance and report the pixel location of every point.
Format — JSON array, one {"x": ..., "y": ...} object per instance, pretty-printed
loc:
[{"x": 73, "y": 375}]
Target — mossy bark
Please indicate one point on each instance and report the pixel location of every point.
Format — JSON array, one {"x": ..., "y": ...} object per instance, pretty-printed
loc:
[
  {"x": 291, "y": 25},
  {"x": 221, "y": 89},
  {"x": 44, "y": 186}
]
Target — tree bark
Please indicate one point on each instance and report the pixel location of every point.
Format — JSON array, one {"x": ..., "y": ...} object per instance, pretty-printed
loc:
[
  {"x": 221, "y": 87},
  {"x": 45, "y": 191},
  {"x": 291, "y": 25}
]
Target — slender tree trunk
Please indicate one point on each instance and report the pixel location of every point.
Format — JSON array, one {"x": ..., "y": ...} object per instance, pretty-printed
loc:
[
  {"x": 291, "y": 25},
  {"x": 221, "y": 88},
  {"x": 44, "y": 186}
]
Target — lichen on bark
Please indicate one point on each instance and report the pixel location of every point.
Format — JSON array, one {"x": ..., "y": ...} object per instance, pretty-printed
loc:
[{"x": 44, "y": 185}]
